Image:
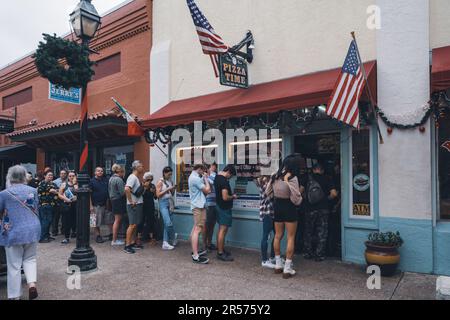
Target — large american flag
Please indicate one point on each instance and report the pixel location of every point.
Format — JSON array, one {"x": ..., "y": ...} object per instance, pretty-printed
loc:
[
  {"x": 343, "y": 104},
  {"x": 212, "y": 43}
]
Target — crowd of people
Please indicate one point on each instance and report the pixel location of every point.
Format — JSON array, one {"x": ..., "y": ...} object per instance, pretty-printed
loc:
[{"x": 31, "y": 210}]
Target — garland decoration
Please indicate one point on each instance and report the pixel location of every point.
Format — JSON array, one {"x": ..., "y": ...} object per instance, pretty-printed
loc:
[
  {"x": 77, "y": 70},
  {"x": 407, "y": 121}
]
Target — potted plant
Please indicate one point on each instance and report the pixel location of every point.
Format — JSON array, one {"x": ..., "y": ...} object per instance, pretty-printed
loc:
[{"x": 382, "y": 251}]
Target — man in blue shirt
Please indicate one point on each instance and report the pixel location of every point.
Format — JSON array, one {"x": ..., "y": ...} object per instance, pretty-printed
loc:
[
  {"x": 199, "y": 187},
  {"x": 99, "y": 199}
]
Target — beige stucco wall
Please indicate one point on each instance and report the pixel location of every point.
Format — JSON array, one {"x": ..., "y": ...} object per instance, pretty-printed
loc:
[
  {"x": 439, "y": 23},
  {"x": 293, "y": 37}
]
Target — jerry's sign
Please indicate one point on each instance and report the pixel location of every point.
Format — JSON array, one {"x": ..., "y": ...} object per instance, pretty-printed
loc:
[{"x": 233, "y": 71}]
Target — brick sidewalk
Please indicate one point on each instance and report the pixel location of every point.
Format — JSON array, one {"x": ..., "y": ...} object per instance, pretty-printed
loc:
[{"x": 156, "y": 274}]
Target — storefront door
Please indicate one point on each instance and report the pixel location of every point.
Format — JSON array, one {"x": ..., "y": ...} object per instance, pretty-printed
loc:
[{"x": 324, "y": 149}]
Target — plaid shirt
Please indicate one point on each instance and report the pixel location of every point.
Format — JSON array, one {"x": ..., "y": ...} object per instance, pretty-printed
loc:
[{"x": 265, "y": 203}]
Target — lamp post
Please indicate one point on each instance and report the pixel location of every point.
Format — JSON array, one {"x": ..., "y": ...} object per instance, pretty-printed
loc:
[{"x": 85, "y": 22}]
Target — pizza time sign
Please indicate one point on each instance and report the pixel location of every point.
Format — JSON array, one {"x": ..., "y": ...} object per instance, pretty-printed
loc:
[{"x": 233, "y": 71}]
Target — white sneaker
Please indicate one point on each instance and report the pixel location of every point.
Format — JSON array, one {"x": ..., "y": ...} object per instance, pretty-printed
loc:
[
  {"x": 288, "y": 271},
  {"x": 274, "y": 261},
  {"x": 175, "y": 240},
  {"x": 268, "y": 264},
  {"x": 278, "y": 266},
  {"x": 117, "y": 243},
  {"x": 167, "y": 246}
]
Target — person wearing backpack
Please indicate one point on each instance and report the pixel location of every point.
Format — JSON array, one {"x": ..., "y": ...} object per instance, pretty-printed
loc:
[{"x": 318, "y": 190}]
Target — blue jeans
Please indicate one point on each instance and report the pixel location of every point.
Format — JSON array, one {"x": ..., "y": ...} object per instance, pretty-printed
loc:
[
  {"x": 268, "y": 228},
  {"x": 164, "y": 209},
  {"x": 46, "y": 218}
]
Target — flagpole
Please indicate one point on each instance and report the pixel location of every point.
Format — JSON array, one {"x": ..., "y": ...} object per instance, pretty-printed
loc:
[{"x": 369, "y": 91}]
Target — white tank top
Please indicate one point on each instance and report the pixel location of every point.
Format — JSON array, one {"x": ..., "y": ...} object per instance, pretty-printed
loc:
[{"x": 166, "y": 184}]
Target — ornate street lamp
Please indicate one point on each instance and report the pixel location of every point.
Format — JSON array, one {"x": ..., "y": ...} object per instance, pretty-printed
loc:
[{"x": 85, "y": 22}]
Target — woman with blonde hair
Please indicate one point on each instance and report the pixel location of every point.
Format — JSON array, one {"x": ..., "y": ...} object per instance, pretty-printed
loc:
[
  {"x": 20, "y": 231},
  {"x": 116, "y": 190}
]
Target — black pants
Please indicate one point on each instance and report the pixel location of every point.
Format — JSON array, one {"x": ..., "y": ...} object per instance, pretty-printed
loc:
[
  {"x": 316, "y": 227},
  {"x": 148, "y": 224},
  {"x": 69, "y": 219},
  {"x": 57, "y": 218}
]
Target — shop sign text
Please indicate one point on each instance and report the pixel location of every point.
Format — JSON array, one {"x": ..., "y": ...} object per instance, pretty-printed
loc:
[
  {"x": 60, "y": 94},
  {"x": 233, "y": 71}
]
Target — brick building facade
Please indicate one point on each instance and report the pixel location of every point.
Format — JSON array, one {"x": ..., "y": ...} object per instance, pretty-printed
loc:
[{"x": 48, "y": 131}]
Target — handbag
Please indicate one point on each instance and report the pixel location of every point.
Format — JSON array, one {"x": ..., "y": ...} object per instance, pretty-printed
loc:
[
  {"x": 171, "y": 204},
  {"x": 93, "y": 220},
  {"x": 5, "y": 225},
  {"x": 139, "y": 192}
]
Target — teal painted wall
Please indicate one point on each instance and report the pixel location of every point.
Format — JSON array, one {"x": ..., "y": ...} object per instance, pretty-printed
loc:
[
  {"x": 245, "y": 232},
  {"x": 442, "y": 249},
  {"x": 353, "y": 245},
  {"x": 417, "y": 251}
]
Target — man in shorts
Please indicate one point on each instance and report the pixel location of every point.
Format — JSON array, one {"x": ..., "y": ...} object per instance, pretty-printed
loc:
[
  {"x": 199, "y": 187},
  {"x": 224, "y": 201},
  {"x": 99, "y": 199},
  {"x": 135, "y": 206}
]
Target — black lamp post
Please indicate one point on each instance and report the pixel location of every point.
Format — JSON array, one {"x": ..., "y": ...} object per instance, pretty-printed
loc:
[{"x": 85, "y": 22}]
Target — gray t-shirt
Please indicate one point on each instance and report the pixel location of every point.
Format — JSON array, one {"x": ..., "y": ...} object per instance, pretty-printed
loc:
[
  {"x": 133, "y": 183},
  {"x": 116, "y": 187}
]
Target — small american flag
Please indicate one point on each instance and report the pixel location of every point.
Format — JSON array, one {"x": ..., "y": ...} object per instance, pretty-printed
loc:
[
  {"x": 212, "y": 43},
  {"x": 343, "y": 104}
]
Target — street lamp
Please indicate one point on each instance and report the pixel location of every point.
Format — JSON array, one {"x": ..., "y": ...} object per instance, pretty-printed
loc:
[{"x": 85, "y": 22}]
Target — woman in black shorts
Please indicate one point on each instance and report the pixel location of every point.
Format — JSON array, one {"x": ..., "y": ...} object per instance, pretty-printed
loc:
[
  {"x": 285, "y": 190},
  {"x": 116, "y": 189}
]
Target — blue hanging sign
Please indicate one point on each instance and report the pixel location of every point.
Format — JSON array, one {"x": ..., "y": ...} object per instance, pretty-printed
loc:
[{"x": 60, "y": 94}]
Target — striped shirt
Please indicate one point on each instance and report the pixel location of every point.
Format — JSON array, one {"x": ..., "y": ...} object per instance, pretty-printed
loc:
[{"x": 265, "y": 203}]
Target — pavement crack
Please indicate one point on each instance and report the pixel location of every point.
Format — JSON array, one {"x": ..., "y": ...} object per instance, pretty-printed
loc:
[{"x": 396, "y": 287}]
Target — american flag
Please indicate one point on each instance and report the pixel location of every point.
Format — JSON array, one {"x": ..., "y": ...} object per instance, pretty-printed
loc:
[
  {"x": 343, "y": 104},
  {"x": 212, "y": 43}
]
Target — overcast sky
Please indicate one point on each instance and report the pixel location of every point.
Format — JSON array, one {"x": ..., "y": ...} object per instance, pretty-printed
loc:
[{"x": 22, "y": 23}]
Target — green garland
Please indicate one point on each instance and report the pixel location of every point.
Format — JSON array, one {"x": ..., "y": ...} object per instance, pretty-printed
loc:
[
  {"x": 390, "y": 124},
  {"x": 78, "y": 71}
]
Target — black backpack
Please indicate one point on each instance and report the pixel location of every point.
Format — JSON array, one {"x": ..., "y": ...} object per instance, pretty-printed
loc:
[{"x": 314, "y": 191}]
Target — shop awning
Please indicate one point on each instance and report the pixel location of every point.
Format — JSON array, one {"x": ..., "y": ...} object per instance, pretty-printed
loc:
[
  {"x": 440, "y": 72},
  {"x": 15, "y": 151},
  {"x": 287, "y": 94},
  {"x": 103, "y": 126}
]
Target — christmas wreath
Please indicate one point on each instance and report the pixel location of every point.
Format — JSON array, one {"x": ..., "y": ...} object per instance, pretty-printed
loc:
[{"x": 77, "y": 70}]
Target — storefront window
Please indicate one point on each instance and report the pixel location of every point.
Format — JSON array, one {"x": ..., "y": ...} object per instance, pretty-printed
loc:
[
  {"x": 444, "y": 166},
  {"x": 185, "y": 161},
  {"x": 62, "y": 161},
  {"x": 252, "y": 161},
  {"x": 123, "y": 155},
  {"x": 361, "y": 174}
]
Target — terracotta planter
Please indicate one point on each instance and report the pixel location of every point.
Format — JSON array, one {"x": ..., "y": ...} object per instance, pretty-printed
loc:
[{"x": 387, "y": 258}]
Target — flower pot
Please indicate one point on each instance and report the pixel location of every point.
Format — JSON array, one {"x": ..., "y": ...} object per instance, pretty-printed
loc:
[{"x": 386, "y": 257}]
